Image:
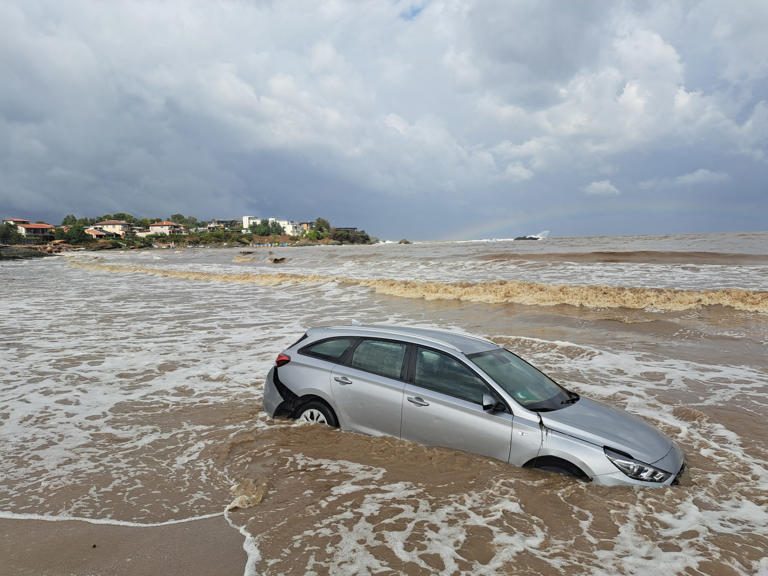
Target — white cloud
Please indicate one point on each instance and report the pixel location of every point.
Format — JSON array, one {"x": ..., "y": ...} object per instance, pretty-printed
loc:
[
  {"x": 737, "y": 33},
  {"x": 701, "y": 176},
  {"x": 601, "y": 188},
  {"x": 324, "y": 57},
  {"x": 518, "y": 173},
  {"x": 461, "y": 66}
]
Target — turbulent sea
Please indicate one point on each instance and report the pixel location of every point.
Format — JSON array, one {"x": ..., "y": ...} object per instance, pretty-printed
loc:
[{"x": 131, "y": 384}]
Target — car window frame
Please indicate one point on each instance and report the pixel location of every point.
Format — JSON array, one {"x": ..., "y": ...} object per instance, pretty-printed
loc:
[
  {"x": 360, "y": 339},
  {"x": 304, "y": 350},
  {"x": 411, "y": 377}
]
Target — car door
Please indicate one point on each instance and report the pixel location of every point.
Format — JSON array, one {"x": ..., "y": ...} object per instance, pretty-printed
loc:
[
  {"x": 442, "y": 406},
  {"x": 368, "y": 387}
]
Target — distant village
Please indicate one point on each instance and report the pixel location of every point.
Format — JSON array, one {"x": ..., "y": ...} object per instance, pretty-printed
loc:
[{"x": 124, "y": 230}]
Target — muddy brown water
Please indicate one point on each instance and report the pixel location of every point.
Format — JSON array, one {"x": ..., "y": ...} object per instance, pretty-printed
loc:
[{"x": 141, "y": 405}]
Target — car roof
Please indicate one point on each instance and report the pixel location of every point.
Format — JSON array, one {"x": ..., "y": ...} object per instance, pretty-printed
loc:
[{"x": 464, "y": 343}]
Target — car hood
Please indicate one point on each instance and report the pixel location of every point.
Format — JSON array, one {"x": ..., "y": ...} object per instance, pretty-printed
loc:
[{"x": 606, "y": 426}]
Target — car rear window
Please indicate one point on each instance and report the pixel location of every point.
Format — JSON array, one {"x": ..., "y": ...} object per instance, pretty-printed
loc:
[
  {"x": 332, "y": 349},
  {"x": 381, "y": 357}
]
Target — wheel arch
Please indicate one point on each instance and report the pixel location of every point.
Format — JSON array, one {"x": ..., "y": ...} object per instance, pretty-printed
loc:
[{"x": 549, "y": 462}]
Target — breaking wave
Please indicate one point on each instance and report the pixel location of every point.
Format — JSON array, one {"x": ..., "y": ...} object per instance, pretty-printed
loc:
[
  {"x": 636, "y": 256},
  {"x": 494, "y": 292}
]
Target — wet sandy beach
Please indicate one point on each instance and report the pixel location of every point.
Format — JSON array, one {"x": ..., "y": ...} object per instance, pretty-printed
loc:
[
  {"x": 131, "y": 397},
  {"x": 46, "y": 548}
]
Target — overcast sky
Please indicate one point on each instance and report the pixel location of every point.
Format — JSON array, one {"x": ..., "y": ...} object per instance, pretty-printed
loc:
[{"x": 426, "y": 120}]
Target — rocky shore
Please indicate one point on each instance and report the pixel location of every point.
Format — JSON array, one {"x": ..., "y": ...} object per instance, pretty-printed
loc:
[{"x": 21, "y": 252}]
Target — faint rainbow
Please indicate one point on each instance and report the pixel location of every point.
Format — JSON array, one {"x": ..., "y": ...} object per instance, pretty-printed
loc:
[{"x": 496, "y": 228}]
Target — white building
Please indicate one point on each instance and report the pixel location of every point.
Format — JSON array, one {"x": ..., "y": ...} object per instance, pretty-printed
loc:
[
  {"x": 222, "y": 224},
  {"x": 166, "y": 227},
  {"x": 29, "y": 229},
  {"x": 36, "y": 230},
  {"x": 290, "y": 227},
  {"x": 118, "y": 227},
  {"x": 97, "y": 234},
  {"x": 249, "y": 221},
  {"x": 15, "y": 221}
]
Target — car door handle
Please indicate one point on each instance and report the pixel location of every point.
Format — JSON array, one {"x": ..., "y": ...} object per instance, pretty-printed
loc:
[
  {"x": 343, "y": 380},
  {"x": 417, "y": 400}
]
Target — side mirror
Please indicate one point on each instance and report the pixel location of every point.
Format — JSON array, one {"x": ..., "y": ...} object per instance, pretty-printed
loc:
[{"x": 491, "y": 404}]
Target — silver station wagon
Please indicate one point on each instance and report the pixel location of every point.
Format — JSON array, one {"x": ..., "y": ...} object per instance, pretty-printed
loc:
[{"x": 445, "y": 389}]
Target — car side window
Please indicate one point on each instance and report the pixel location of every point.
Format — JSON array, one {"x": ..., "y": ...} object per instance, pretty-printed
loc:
[
  {"x": 381, "y": 357},
  {"x": 332, "y": 349},
  {"x": 442, "y": 373}
]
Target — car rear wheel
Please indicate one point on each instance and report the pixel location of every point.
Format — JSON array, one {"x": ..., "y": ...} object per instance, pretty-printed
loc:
[{"x": 317, "y": 412}]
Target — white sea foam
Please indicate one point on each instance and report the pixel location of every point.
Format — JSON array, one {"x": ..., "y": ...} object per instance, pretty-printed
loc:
[
  {"x": 105, "y": 521},
  {"x": 253, "y": 557}
]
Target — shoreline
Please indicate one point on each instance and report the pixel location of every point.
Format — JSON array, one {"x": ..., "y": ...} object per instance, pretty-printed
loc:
[{"x": 29, "y": 251}]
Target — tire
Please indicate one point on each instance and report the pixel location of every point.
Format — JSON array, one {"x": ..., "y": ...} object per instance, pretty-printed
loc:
[
  {"x": 317, "y": 412},
  {"x": 558, "y": 466}
]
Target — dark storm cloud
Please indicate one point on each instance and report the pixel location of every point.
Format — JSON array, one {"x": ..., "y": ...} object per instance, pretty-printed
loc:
[{"x": 421, "y": 119}]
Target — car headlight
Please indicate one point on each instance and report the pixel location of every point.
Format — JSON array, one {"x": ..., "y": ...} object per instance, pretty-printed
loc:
[{"x": 635, "y": 469}]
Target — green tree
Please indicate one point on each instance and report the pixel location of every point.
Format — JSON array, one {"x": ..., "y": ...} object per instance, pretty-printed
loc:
[
  {"x": 188, "y": 221},
  {"x": 276, "y": 229},
  {"x": 143, "y": 242},
  {"x": 9, "y": 234},
  {"x": 350, "y": 236},
  {"x": 75, "y": 235},
  {"x": 69, "y": 220},
  {"x": 267, "y": 228},
  {"x": 322, "y": 226},
  {"x": 130, "y": 218}
]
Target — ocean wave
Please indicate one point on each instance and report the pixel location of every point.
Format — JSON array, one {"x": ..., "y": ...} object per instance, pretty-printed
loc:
[
  {"x": 634, "y": 256},
  {"x": 494, "y": 292}
]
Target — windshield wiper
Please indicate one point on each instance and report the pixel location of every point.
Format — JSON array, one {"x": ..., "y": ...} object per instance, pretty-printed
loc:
[{"x": 572, "y": 399}]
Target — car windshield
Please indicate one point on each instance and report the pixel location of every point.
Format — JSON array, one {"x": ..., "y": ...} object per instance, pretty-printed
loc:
[{"x": 532, "y": 389}]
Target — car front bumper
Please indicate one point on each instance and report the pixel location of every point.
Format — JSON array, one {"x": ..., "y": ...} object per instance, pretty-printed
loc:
[{"x": 673, "y": 460}]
